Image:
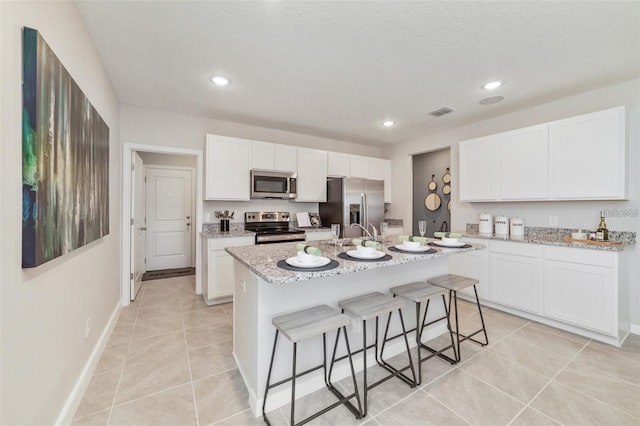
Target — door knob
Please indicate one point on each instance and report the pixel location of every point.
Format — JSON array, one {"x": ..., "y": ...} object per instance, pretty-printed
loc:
[
  {"x": 188, "y": 223},
  {"x": 144, "y": 228},
  {"x": 188, "y": 217}
]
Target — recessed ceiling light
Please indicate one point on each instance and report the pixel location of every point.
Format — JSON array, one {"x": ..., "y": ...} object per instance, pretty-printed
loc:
[
  {"x": 220, "y": 81},
  {"x": 492, "y": 85},
  {"x": 388, "y": 123},
  {"x": 491, "y": 100}
]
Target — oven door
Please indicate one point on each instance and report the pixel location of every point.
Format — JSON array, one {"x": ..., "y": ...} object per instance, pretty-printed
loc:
[{"x": 273, "y": 185}]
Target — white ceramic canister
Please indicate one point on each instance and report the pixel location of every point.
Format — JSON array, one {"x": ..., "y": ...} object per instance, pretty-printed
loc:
[
  {"x": 502, "y": 225},
  {"x": 517, "y": 227},
  {"x": 485, "y": 223}
]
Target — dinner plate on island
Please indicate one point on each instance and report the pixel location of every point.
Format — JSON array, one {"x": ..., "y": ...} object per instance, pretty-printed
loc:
[
  {"x": 419, "y": 249},
  {"x": 317, "y": 263},
  {"x": 360, "y": 255},
  {"x": 450, "y": 244}
]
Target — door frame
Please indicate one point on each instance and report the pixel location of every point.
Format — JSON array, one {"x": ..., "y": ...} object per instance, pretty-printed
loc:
[{"x": 125, "y": 212}]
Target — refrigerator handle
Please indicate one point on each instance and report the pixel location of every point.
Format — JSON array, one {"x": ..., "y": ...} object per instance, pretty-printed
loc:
[{"x": 365, "y": 210}]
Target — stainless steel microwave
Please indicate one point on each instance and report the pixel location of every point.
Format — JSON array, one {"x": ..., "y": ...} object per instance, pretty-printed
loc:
[{"x": 273, "y": 185}]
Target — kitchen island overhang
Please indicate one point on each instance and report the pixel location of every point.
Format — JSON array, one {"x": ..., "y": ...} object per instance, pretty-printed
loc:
[{"x": 263, "y": 290}]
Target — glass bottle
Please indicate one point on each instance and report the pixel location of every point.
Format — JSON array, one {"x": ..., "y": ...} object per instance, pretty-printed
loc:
[{"x": 602, "y": 234}]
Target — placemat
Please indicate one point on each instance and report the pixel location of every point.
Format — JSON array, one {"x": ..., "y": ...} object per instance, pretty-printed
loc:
[
  {"x": 345, "y": 256},
  {"x": 430, "y": 251},
  {"x": 464, "y": 246},
  {"x": 284, "y": 265}
]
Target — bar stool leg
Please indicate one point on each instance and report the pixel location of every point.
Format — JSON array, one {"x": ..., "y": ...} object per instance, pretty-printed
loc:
[
  {"x": 266, "y": 390},
  {"x": 484, "y": 329},
  {"x": 413, "y": 381},
  {"x": 293, "y": 384},
  {"x": 357, "y": 412}
]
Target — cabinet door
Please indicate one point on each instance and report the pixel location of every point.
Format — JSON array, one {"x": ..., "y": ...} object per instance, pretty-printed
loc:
[
  {"x": 380, "y": 169},
  {"x": 312, "y": 175},
  {"x": 582, "y": 295},
  {"x": 220, "y": 275},
  {"x": 337, "y": 164},
  {"x": 587, "y": 155},
  {"x": 473, "y": 265},
  {"x": 479, "y": 169},
  {"x": 262, "y": 155},
  {"x": 524, "y": 164},
  {"x": 359, "y": 166},
  {"x": 515, "y": 281},
  {"x": 285, "y": 158},
  {"x": 227, "y": 168}
]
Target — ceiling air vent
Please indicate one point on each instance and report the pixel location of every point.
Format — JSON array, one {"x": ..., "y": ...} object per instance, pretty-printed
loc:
[{"x": 441, "y": 111}]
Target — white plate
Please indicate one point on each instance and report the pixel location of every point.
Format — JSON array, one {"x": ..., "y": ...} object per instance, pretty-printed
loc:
[
  {"x": 356, "y": 254},
  {"x": 417, "y": 249},
  {"x": 321, "y": 261},
  {"x": 443, "y": 244}
]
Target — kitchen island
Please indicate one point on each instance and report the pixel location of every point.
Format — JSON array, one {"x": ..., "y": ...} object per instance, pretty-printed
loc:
[{"x": 263, "y": 290}]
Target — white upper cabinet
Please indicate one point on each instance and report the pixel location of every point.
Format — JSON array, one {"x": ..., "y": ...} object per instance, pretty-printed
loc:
[
  {"x": 227, "y": 168},
  {"x": 270, "y": 156},
  {"x": 359, "y": 166},
  {"x": 588, "y": 156},
  {"x": 380, "y": 169},
  {"x": 312, "y": 175},
  {"x": 578, "y": 158},
  {"x": 337, "y": 164},
  {"x": 524, "y": 164},
  {"x": 285, "y": 158},
  {"x": 479, "y": 169}
]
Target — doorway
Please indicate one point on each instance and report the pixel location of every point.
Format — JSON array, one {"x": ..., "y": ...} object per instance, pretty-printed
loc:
[
  {"x": 164, "y": 158},
  {"x": 432, "y": 190}
]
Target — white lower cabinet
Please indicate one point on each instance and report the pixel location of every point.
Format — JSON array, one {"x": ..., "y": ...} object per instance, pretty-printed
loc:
[
  {"x": 515, "y": 275},
  {"x": 474, "y": 265},
  {"x": 583, "y": 291},
  {"x": 218, "y": 268}
]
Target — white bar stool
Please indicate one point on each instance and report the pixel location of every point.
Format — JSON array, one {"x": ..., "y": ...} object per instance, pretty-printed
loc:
[
  {"x": 364, "y": 308},
  {"x": 301, "y": 325},
  {"x": 420, "y": 292},
  {"x": 453, "y": 283}
]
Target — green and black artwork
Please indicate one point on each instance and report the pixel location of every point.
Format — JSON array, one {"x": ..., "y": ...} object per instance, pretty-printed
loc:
[{"x": 65, "y": 159}]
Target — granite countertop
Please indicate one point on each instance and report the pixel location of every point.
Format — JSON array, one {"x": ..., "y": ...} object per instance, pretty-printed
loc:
[
  {"x": 262, "y": 259},
  {"x": 208, "y": 233},
  {"x": 555, "y": 237},
  {"x": 312, "y": 228}
]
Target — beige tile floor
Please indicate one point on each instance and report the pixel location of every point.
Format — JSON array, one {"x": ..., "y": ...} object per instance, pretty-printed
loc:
[{"x": 169, "y": 362}]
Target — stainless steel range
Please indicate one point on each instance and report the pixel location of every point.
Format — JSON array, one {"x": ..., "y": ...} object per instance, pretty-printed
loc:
[{"x": 271, "y": 227}]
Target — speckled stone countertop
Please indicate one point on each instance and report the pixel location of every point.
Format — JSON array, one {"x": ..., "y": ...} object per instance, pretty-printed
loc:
[
  {"x": 208, "y": 233},
  {"x": 262, "y": 259},
  {"x": 555, "y": 237},
  {"x": 312, "y": 228}
]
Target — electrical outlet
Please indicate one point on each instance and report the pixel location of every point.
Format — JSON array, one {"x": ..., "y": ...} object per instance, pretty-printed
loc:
[
  {"x": 87, "y": 328},
  {"x": 553, "y": 220}
]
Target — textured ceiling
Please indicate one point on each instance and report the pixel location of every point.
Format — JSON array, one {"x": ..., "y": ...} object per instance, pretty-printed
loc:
[{"x": 338, "y": 69}]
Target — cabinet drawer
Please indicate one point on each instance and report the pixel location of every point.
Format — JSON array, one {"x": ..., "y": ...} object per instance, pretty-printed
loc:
[
  {"x": 222, "y": 243},
  {"x": 517, "y": 249},
  {"x": 582, "y": 256}
]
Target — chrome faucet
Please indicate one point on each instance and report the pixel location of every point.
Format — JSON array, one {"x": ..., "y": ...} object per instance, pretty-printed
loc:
[{"x": 373, "y": 237}]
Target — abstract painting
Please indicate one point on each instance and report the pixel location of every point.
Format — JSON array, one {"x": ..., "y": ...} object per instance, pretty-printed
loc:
[{"x": 65, "y": 159}]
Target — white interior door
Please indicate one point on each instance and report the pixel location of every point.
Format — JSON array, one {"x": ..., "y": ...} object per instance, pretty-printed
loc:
[
  {"x": 137, "y": 223},
  {"x": 169, "y": 218}
]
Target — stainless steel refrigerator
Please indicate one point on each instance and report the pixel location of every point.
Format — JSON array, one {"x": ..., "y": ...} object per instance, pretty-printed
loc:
[{"x": 353, "y": 200}]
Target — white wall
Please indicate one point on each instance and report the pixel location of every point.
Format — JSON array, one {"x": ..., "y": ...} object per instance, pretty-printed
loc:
[
  {"x": 579, "y": 214},
  {"x": 44, "y": 309}
]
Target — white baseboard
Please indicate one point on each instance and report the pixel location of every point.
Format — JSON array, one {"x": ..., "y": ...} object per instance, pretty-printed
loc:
[
  {"x": 75, "y": 397},
  {"x": 635, "y": 329}
]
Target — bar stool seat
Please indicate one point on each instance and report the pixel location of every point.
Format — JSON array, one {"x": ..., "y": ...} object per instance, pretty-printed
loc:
[
  {"x": 366, "y": 307},
  {"x": 420, "y": 292},
  {"x": 302, "y": 325},
  {"x": 453, "y": 283}
]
